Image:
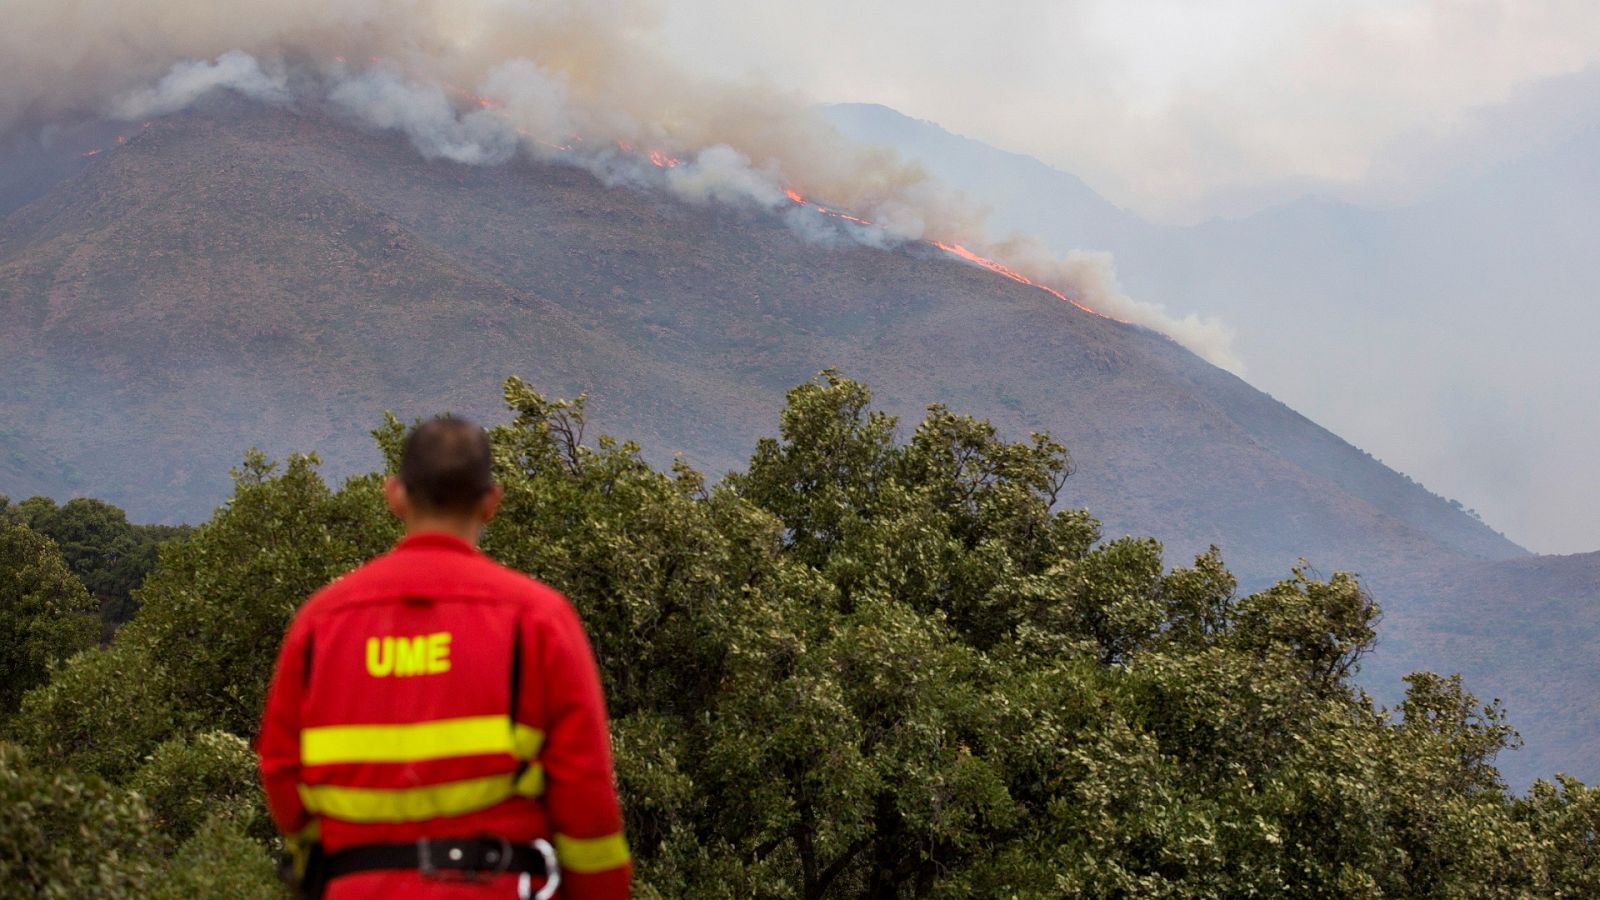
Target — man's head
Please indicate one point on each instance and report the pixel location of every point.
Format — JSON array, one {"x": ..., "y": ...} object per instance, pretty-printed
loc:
[{"x": 445, "y": 481}]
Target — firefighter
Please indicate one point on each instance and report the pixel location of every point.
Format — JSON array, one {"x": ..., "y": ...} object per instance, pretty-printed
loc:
[{"x": 435, "y": 724}]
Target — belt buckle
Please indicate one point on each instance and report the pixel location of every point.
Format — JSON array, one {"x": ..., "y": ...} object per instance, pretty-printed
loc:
[{"x": 459, "y": 867}]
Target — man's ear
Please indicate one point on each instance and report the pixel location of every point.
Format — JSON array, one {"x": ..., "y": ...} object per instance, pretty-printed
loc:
[
  {"x": 490, "y": 503},
  {"x": 394, "y": 493}
]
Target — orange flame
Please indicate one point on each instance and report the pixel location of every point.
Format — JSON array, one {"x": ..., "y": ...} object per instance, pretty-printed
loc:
[
  {"x": 663, "y": 160},
  {"x": 1014, "y": 275},
  {"x": 956, "y": 250}
]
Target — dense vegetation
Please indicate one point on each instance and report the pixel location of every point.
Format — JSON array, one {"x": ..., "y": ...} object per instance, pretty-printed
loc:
[
  {"x": 107, "y": 553},
  {"x": 45, "y": 613},
  {"x": 864, "y": 666}
]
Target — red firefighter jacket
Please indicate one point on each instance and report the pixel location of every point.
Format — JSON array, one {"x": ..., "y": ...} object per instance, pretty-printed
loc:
[{"x": 435, "y": 693}]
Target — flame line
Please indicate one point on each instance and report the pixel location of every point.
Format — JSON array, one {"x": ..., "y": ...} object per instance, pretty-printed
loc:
[{"x": 960, "y": 252}]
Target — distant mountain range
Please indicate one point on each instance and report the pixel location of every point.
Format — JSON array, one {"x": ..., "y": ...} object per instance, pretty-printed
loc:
[{"x": 239, "y": 277}]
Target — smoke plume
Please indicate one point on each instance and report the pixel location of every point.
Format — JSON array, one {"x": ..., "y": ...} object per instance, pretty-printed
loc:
[{"x": 479, "y": 81}]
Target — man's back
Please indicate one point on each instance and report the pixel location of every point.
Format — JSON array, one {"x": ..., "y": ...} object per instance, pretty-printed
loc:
[{"x": 435, "y": 694}]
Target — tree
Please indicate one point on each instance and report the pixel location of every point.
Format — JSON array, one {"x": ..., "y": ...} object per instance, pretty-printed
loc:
[
  {"x": 198, "y": 655},
  {"x": 66, "y": 837},
  {"x": 45, "y": 614},
  {"x": 110, "y": 556},
  {"x": 866, "y": 666}
]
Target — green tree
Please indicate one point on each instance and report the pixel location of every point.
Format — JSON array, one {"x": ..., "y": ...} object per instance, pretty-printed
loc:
[
  {"x": 221, "y": 859},
  {"x": 110, "y": 556},
  {"x": 1565, "y": 818},
  {"x": 68, "y": 837},
  {"x": 187, "y": 781},
  {"x": 45, "y": 614},
  {"x": 199, "y": 654},
  {"x": 865, "y": 666}
]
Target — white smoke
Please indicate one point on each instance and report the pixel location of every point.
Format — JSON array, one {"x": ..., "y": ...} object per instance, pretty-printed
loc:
[
  {"x": 1090, "y": 277},
  {"x": 536, "y": 100},
  {"x": 478, "y": 81},
  {"x": 383, "y": 99},
  {"x": 723, "y": 174},
  {"x": 190, "y": 80}
]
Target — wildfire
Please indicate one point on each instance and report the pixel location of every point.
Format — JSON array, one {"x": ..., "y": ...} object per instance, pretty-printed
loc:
[
  {"x": 663, "y": 160},
  {"x": 954, "y": 250},
  {"x": 1014, "y": 275}
]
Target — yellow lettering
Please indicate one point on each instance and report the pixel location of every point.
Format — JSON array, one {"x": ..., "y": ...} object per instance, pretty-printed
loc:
[
  {"x": 438, "y": 653},
  {"x": 411, "y": 655},
  {"x": 423, "y": 654},
  {"x": 380, "y": 656}
]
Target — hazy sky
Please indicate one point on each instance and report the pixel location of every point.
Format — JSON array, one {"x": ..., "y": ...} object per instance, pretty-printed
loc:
[{"x": 1176, "y": 109}]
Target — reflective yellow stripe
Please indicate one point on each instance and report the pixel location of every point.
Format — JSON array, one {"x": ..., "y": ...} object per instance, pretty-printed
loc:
[
  {"x": 531, "y": 782},
  {"x": 453, "y": 798},
  {"x": 418, "y": 742},
  {"x": 585, "y": 855},
  {"x": 525, "y": 741}
]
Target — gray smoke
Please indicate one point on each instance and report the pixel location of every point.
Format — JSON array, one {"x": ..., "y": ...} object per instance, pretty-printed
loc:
[
  {"x": 421, "y": 111},
  {"x": 190, "y": 80}
]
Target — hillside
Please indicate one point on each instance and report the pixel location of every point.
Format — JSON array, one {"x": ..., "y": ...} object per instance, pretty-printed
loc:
[
  {"x": 281, "y": 280},
  {"x": 1476, "y": 298},
  {"x": 1520, "y": 630},
  {"x": 240, "y": 277}
]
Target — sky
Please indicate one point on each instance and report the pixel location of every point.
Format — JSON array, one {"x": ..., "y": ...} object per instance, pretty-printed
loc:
[{"x": 1177, "y": 110}]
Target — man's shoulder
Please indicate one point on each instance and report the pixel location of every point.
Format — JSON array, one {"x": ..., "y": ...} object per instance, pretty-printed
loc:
[
  {"x": 469, "y": 577},
  {"x": 522, "y": 586},
  {"x": 341, "y": 588}
]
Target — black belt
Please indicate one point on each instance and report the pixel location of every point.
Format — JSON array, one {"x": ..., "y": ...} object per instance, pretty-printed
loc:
[{"x": 451, "y": 859}]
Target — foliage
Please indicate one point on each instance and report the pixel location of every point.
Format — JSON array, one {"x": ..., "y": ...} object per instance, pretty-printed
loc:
[
  {"x": 201, "y": 648},
  {"x": 187, "y": 781},
  {"x": 110, "y": 556},
  {"x": 221, "y": 859},
  {"x": 69, "y": 837},
  {"x": 867, "y": 666},
  {"x": 45, "y": 614}
]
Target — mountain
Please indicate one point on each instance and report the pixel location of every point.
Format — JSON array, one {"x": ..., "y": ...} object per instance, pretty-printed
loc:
[
  {"x": 1519, "y": 630},
  {"x": 1450, "y": 333},
  {"x": 1454, "y": 295},
  {"x": 239, "y": 277}
]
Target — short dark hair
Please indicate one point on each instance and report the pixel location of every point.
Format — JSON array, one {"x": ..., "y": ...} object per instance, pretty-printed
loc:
[{"x": 446, "y": 465}]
